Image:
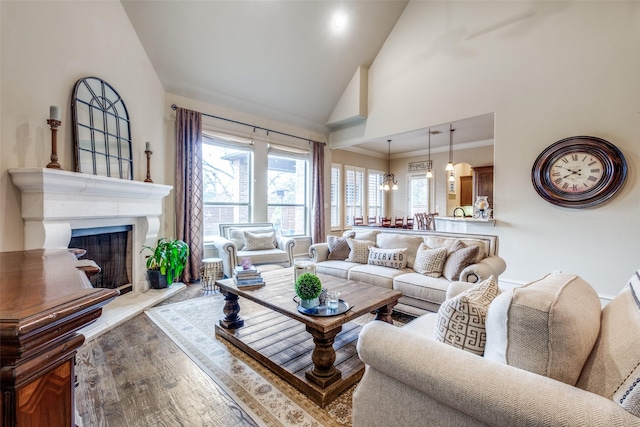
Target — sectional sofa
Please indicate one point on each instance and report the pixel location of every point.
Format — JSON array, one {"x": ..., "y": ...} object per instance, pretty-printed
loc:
[{"x": 422, "y": 292}]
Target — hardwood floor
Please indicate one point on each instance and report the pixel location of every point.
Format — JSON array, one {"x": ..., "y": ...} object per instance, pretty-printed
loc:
[{"x": 134, "y": 375}]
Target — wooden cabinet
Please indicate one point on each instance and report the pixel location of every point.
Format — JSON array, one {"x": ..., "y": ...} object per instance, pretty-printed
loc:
[
  {"x": 43, "y": 303},
  {"x": 466, "y": 190},
  {"x": 483, "y": 182}
]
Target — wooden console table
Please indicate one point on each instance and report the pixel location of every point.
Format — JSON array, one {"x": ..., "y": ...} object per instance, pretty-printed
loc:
[{"x": 44, "y": 300}]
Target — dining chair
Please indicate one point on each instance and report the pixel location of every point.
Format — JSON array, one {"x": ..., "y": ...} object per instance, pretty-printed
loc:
[
  {"x": 430, "y": 221},
  {"x": 420, "y": 220},
  {"x": 409, "y": 224},
  {"x": 371, "y": 220},
  {"x": 399, "y": 223},
  {"x": 358, "y": 220},
  {"x": 386, "y": 222}
]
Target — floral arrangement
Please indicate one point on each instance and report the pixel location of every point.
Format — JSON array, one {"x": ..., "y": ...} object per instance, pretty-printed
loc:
[{"x": 308, "y": 286}]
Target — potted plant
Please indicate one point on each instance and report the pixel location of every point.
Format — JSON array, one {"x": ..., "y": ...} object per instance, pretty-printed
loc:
[
  {"x": 308, "y": 288},
  {"x": 167, "y": 261}
]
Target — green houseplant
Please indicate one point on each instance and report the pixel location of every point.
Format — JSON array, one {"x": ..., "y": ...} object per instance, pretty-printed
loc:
[
  {"x": 308, "y": 288},
  {"x": 167, "y": 261}
]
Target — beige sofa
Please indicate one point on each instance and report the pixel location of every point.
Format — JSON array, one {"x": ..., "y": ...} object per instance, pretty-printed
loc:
[
  {"x": 232, "y": 245},
  {"x": 553, "y": 357},
  {"x": 421, "y": 293}
]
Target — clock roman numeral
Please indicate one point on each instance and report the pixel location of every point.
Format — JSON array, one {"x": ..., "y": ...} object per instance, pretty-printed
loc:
[
  {"x": 595, "y": 170},
  {"x": 564, "y": 159},
  {"x": 557, "y": 181},
  {"x": 574, "y": 157},
  {"x": 592, "y": 178},
  {"x": 565, "y": 185}
]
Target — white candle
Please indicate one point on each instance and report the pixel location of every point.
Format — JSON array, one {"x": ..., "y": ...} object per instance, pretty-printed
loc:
[
  {"x": 147, "y": 146},
  {"x": 54, "y": 112}
]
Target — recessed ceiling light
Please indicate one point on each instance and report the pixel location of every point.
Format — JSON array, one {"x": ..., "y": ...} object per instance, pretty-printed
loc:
[{"x": 340, "y": 20}]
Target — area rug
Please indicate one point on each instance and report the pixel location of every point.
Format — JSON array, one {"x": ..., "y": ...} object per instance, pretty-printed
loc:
[{"x": 264, "y": 396}]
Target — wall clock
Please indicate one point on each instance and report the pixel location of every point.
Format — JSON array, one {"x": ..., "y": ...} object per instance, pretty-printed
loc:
[{"x": 579, "y": 172}]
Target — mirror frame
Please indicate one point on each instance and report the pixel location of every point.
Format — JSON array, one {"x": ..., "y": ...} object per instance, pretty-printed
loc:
[{"x": 101, "y": 130}]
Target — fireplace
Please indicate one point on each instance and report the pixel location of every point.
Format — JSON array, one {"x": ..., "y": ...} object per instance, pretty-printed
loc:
[
  {"x": 110, "y": 248},
  {"x": 58, "y": 205}
]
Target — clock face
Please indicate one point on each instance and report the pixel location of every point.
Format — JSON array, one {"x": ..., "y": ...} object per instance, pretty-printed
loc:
[{"x": 579, "y": 172}]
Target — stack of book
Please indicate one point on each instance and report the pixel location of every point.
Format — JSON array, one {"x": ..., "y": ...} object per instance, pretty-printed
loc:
[{"x": 248, "y": 277}]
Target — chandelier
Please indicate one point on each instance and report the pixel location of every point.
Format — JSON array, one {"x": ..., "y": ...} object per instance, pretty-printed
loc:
[{"x": 388, "y": 180}]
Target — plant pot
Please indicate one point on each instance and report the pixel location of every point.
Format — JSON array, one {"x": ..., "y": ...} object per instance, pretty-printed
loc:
[
  {"x": 309, "y": 303},
  {"x": 157, "y": 280}
]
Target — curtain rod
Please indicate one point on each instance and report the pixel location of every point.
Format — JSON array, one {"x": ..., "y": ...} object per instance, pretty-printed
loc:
[{"x": 174, "y": 107}]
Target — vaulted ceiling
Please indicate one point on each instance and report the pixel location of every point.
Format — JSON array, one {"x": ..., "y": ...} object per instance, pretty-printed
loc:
[{"x": 285, "y": 61}]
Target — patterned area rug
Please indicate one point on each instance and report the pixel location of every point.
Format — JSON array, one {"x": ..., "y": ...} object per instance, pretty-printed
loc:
[{"x": 264, "y": 396}]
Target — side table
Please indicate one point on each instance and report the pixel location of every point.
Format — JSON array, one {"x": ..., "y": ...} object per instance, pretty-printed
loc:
[{"x": 211, "y": 271}]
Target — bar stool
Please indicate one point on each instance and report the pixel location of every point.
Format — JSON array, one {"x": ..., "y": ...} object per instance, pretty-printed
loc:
[{"x": 211, "y": 271}]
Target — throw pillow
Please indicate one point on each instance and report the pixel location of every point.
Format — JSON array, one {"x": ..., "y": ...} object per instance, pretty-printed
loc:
[
  {"x": 359, "y": 250},
  {"x": 613, "y": 367},
  {"x": 547, "y": 327},
  {"x": 338, "y": 247},
  {"x": 458, "y": 261},
  {"x": 430, "y": 262},
  {"x": 394, "y": 258},
  {"x": 255, "y": 242},
  {"x": 461, "y": 319}
]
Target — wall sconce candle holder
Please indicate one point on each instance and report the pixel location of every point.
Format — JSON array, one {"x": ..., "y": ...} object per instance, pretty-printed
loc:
[
  {"x": 148, "y": 153},
  {"x": 54, "y": 124}
]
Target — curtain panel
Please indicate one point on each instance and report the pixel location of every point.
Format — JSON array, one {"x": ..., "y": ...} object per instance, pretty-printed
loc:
[
  {"x": 189, "y": 189},
  {"x": 317, "y": 196}
]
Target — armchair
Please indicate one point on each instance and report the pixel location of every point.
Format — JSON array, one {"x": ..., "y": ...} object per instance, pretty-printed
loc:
[{"x": 237, "y": 241}]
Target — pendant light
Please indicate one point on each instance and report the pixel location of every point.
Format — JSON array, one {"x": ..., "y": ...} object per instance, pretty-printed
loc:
[
  {"x": 450, "y": 164},
  {"x": 429, "y": 173},
  {"x": 388, "y": 180}
]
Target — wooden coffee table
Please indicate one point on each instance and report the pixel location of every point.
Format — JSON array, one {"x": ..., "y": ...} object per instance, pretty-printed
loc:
[{"x": 317, "y": 355}]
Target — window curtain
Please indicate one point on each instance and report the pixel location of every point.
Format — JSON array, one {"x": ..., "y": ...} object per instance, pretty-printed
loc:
[
  {"x": 189, "y": 218},
  {"x": 317, "y": 196}
]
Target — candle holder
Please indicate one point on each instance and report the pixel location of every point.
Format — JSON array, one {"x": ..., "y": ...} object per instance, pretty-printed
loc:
[
  {"x": 148, "y": 153},
  {"x": 54, "y": 124}
]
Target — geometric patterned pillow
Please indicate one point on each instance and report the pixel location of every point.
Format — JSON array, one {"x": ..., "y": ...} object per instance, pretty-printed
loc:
[
  {"x": 338, "y": 247},
  {"x": 359, "y": 250},
  {"x": 430, "y": 262},
  {"x": 461, "y": 319},
  {"x": 458, "y": 261},
  {"x": 255, "y": 242}
]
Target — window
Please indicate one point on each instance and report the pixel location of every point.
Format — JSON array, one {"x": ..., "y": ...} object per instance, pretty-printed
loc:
[
  {"x": 354, "y": 193},
  {"x": 375, "y": 205},
  {"x": 418, "y": 194},
  {"x": 336, "y": 194},
  {"x": 288, "y": 190},
  {"x": 226, "y": 173}
]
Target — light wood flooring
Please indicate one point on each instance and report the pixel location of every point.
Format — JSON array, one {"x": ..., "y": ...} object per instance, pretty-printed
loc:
[{"x": 134, "y": 375}]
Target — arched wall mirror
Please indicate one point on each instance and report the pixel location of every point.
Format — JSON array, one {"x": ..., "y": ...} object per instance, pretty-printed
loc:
[{"x": 101, "y": 130}]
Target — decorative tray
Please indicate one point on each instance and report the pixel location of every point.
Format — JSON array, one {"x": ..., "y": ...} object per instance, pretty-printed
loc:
[{"x": 324, "y": 311}]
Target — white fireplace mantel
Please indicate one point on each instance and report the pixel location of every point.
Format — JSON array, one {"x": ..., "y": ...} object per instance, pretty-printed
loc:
[{"x": 55, "y": 202}]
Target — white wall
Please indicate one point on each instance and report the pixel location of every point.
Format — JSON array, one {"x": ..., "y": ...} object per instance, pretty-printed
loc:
[
  {"x": 46, "y": 47},
  {"x": 548, "y": 70}
]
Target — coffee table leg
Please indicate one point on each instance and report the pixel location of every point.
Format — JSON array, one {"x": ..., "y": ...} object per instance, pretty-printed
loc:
[
  {"x": 231, "y": 309},
  {"x": 323, "y": 373},
  {"x": 384, "y": 313}
]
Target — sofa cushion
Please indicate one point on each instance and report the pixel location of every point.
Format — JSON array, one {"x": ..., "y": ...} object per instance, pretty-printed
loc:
[
  {"x": 450, "y": 243},
  {"x": 236, "y": 235},
  {"x": 430, "y": 262},
  {"x": 399, "y": 241},
  {"x": 338, "y": 246},
  {"x": 374, "y": 275},
  {"x": 259, "y": 241},
  {"x": 363, "y": 234},
  {"x": 359, "y": 250},
  {"x": 613, "y": 367},
  {"x": 394, "y": 258},
  {"x": 420, "y": 287},
  {"x": 459, "y": 260},
  {"x": 335, "y": 268},
  {"x": 547, "y": 327},
  {"x": 461, "y": 319}
]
